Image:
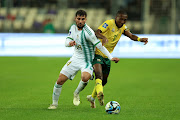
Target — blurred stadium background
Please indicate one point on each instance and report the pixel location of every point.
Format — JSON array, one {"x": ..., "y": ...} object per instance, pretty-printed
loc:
[
  {"x": 156, "y": 19},
  {"x": 147, "y": 89},
  {"x": 145, "y": 16}
]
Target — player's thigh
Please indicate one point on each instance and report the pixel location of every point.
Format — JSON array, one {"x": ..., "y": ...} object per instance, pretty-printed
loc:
[
  {"x": 97, "y": 65},
  {"x": 71, "y": 68},
  {"x": 86, "y": 71},
  {"x": 98, "y": 70}
]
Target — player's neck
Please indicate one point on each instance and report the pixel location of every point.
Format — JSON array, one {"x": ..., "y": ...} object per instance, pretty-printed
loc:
[
  {"x": 117, "y": 25},
  {"x": 80, "y": 29}
]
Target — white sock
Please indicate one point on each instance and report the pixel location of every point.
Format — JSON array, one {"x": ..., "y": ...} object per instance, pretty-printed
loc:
[
  {"x": 56, "y": 93},
  {"x": 80, "y": 87},
  {"x": 92, "y": 98}
]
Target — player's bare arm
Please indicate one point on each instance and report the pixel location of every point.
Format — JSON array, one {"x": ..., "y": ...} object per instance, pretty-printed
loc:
[
  {"x": 135, "y": 38},
  {"x": 106, "y": 52},
  {"x": 72, "y": 43},
  {"x": 100, "y": 36}
]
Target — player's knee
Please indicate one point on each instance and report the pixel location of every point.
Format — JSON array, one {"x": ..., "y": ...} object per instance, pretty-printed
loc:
[
  {"x": 85, "y": 78},
  {"x": 60, "y": 81},
  {"x": 104, "y": 82}
]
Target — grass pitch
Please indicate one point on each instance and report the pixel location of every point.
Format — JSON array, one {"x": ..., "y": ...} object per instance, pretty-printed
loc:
[{"x": 147, "y": 89}]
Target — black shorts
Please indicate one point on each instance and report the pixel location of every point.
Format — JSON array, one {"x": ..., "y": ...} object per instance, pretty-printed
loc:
[{"x": 105, "y": 62}]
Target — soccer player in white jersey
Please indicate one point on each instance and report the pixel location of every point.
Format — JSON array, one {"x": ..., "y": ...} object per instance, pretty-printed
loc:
[{"x": 83, "y": 38}]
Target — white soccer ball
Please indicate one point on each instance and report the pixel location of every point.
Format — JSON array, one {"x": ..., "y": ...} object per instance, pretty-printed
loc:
[{"x": 112, "y": 107}]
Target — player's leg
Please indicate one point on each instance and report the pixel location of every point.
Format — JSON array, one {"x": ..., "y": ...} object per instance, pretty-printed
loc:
[
  {"x": 98, "y": 83},
  {"x": 85, "y": 76},
  {"x": 86, "y": 73},
  {"x": 106, "y": 70},
  {"x": 98, "y": 75},
  {"x": 104, "y": 81},
  {"x": 57, "y": 90},
  {"x": 99, "y": 70},
  {"x": 91, "y": 98},
  {"x": 97, "y": 65},
  {"x": 68, "y": 72}
]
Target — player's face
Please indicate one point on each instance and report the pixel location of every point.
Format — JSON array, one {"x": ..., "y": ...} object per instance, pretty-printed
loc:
[
  {"x": 121, "y": 20},
  {"x": 80, "y": 21}
]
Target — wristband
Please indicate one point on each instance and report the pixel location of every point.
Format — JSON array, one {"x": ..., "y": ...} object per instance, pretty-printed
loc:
[{"x": 138, "y": 39}]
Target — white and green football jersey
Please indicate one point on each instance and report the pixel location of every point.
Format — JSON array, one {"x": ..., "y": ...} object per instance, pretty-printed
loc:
[{"x": 85, "y": 42}]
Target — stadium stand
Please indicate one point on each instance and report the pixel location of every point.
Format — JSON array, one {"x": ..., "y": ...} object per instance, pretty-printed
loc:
[{"x": 30, "y": 16}]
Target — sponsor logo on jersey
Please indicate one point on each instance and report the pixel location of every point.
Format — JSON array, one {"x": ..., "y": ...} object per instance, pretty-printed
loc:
[
  {"x": 105, "y": 25},
  {"x": 69, "y": 33}
]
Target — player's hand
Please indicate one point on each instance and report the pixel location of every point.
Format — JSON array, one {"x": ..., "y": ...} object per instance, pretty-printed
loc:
[
  {"x": 72, "y": 43},
  {"x": 145, "y": 40},
  {"x": 104, "y": 41},
  {"x": 115, "y": 59}
]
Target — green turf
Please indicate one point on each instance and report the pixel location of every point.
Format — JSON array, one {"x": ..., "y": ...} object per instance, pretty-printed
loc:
[{"x": 147, "y": 89}]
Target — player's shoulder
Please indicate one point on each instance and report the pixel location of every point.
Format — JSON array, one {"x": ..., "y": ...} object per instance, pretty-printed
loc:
[
  {"x": 110, "y": 22},
  {"x": 72, "y": 26},
  {"x": 124, "y": 26},
  {"x": 107, "y": 23},
  {"x": 88, "y": 30}
]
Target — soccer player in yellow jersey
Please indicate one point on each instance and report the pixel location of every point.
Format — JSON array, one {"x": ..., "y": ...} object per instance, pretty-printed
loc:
[{"x": 109, "y": 33}]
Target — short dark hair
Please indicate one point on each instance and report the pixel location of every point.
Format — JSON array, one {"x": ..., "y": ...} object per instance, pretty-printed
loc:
[
  {"x": 81, "y": 13},
  {"x": 121, "y": 12}
]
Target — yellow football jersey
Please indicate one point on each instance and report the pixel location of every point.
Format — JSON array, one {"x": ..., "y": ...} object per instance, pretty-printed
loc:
[{"x": 112, "y": 33}]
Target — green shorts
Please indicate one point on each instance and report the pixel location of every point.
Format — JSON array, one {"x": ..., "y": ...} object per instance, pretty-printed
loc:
[{"x": 105, "y": 62}]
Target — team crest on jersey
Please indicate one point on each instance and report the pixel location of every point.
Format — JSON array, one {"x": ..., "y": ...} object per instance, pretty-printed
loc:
[
  {"x": 69, "y": 33},
  {"x": 105, "y": 25},
  {"x": 113, "y": 30},
  {"x": 77, "y": 36}
]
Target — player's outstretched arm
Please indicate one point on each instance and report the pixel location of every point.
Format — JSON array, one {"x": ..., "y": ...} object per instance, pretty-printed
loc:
[
  {"x": 135, "y": 38},
  {"x": 106, "y": 52},
  {"x": 100, "y": 36}
]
